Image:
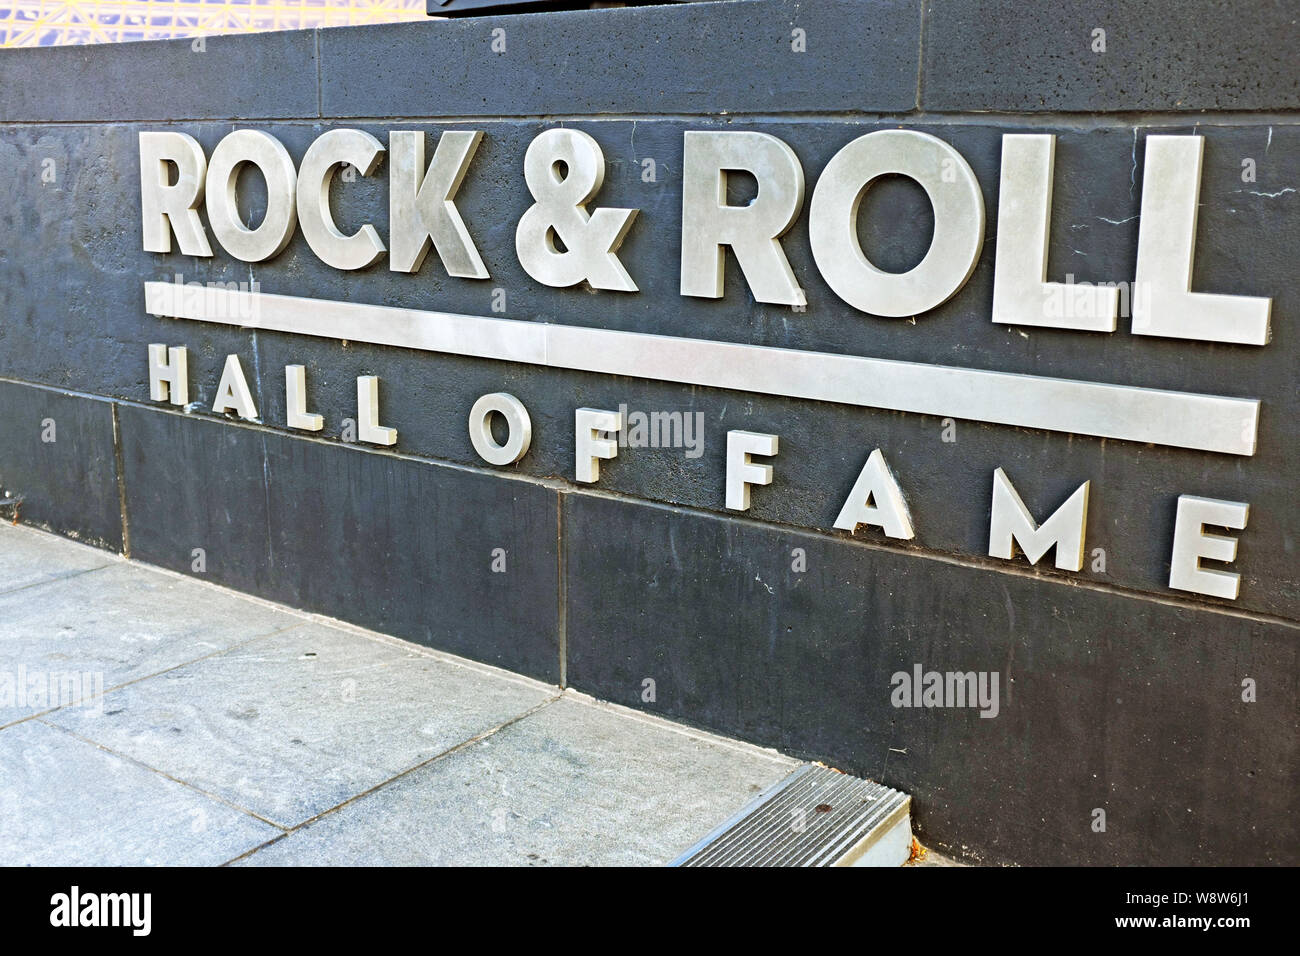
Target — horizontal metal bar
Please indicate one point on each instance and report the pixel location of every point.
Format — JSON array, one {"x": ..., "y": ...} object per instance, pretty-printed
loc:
[{"x": 1177, "y": 419}]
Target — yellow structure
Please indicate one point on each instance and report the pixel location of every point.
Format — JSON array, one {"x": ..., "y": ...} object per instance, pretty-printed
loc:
[{"x": 60, "y": 22}]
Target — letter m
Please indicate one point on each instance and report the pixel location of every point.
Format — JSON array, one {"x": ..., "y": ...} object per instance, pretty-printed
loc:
[
  {"x": 116, "y": 909},
  {"x": 962, "y": 689},
  {"x": 1012, "y": 524}
]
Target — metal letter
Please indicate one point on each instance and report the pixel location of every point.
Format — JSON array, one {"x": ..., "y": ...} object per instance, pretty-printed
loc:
[
  {"x": 1163, "y": 303},
  {"x": 232, "y": 391},
  {"x": 421, "y": 205},
  {"x": 741, "y": 472},
  {"x": 590, "y": 447},
  {"x": 590, "y": 240},
  {"x": 165, "y": 208},
  {"x": 331, "y": 150},
  {"x": 1012, "y": 520},
  {"x": 519, "y": 425},
  {"x": 1021, "y": 291},
  {"x": 1191, "y": 543},
  {"x": 876, "y": 500},
  {"x": 958, "y": 222},
  {"x": 295, "y": 384},
  {"x": 276, "y": 229},
  {"x": 709, "y": 225},
  {"x": 169, "y": 375},
  {"x": 368, "y": 427}
]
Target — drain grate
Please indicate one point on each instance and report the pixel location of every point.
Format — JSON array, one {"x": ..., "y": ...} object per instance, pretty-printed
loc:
[{"x": 815, "y": 817}]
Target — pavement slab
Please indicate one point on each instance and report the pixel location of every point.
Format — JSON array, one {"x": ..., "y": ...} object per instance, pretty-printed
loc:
[
  {"x": 291, "y": 725},
  {"x": 116, "y": 624},
  {"x": 575, "y": 783},
  {"x": 66, "y": 802},
  {"x": 29, "y": 557}
]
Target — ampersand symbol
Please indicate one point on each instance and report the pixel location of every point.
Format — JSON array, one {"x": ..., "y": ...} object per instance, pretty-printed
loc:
[{"x": 564, "y": 169}]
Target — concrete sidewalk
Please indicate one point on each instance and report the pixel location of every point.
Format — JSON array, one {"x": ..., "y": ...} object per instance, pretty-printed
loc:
[{"x": 151, "y": 718}]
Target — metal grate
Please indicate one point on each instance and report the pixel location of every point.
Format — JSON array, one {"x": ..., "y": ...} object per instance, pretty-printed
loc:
[{"x": 815, "y": 817}]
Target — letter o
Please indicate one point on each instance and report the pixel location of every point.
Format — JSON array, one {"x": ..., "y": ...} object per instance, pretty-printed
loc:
[
  {"x": 517, "y": 420},
  {"x": 276, "y": 228},
  {"x": 958, "y": 222}
]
